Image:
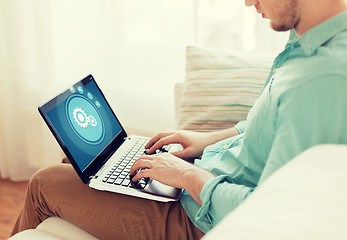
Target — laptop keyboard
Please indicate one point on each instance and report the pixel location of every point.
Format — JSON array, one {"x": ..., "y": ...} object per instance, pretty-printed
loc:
[{"x": 119, "y": 173}]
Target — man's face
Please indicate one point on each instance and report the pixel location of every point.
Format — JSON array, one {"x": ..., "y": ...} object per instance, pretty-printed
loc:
[{"x": 283, "y": 14}]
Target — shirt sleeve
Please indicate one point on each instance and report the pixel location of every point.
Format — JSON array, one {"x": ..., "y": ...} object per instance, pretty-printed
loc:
[
  {"x": 305, "y": 116},
  {"x": 241, "y": 126},
  {"x": 311, "y": 114},
  {"x": 219, "y": 197}
]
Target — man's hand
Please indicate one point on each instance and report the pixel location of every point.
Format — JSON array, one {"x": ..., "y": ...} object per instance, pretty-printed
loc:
[
  {"x": 193, "y": 143},
  {"x": 165, "y": 168},
  {"x": 173, "y": 171}
]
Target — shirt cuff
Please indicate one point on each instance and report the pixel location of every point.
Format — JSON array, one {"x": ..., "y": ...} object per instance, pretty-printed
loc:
[{"x": 205, "y": 196}]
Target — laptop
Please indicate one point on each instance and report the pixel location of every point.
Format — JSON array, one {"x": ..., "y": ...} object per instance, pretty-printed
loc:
[{"x": 99, "y": 149}]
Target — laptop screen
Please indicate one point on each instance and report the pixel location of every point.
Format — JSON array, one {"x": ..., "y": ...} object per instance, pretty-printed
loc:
[{"x": 85, "y": 123}]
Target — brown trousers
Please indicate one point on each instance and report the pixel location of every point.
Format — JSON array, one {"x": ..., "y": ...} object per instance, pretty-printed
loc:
[{"x": 57, "y": 191}]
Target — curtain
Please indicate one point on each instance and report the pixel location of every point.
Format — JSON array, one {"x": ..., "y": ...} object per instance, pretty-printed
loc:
[
  {"x": 134, "y": 48},
  {"x": 25, "y": 73}
]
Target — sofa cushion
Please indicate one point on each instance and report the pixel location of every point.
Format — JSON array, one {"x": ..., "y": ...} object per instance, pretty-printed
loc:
[
  {"x": 305, "y": 199},
  {"x": 220, "y": 87}
]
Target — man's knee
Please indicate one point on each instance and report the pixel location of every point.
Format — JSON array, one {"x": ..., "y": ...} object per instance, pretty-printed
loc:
[
  {"x": 45, "y": 173},
  {"x": 49, "y": 176}
]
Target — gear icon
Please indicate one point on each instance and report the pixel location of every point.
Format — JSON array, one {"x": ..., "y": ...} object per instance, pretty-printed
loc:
[
  {"x": 80, "y": 117},
  {"x": 92, "y": 121},
  {"x": 84, "y": 119}
]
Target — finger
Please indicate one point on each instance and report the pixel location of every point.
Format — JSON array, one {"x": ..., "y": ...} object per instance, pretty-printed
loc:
[
  {"x": 157, "y": 137},
  {"x": 141, "y": 163},
  {"x": 144, "y": 173},
  {"x": 162, "y": 142}
]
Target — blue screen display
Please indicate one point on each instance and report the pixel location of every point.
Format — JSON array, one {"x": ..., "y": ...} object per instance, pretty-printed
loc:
[{"x": 85, "y": 123}]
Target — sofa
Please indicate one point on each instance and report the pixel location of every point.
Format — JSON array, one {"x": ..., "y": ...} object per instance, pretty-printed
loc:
[{"x": 305, "y": 199}]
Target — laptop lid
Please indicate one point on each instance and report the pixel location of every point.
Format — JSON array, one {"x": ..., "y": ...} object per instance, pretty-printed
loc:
[{"x": 84, "y": 125}]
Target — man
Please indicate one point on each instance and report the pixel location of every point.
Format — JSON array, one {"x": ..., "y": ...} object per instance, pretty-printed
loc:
[{"x": 301, "y": 105}]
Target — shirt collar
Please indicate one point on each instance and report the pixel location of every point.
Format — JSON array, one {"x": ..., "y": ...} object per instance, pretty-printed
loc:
[{"x": 317, "y": 36}]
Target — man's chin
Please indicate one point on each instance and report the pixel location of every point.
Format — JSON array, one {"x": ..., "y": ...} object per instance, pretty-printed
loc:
[{"x": 280, "y": 28}]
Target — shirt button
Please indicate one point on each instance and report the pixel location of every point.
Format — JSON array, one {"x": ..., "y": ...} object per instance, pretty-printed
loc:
[{"x": 225, "y": 146}]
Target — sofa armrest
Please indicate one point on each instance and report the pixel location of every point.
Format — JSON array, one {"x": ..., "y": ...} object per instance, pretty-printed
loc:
[
  {"x": 305, "y": 199},
  {"x": 54, "y": 228}
]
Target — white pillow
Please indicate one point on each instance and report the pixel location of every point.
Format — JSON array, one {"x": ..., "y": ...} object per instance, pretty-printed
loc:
[{"x": 220, "y": 87}]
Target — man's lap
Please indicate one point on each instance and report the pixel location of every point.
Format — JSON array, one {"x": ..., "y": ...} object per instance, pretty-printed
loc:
[{"x": 107, "y": 215}]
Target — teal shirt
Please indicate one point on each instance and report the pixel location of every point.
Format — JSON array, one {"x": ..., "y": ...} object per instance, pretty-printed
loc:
[{"x": 303, "y": 103}]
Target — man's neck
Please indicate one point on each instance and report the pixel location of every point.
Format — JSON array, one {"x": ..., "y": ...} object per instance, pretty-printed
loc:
[{"x": 315, "y": 13}]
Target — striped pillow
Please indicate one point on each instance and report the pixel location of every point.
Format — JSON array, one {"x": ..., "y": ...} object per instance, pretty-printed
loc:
[{"x": 220, "y": 87}]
